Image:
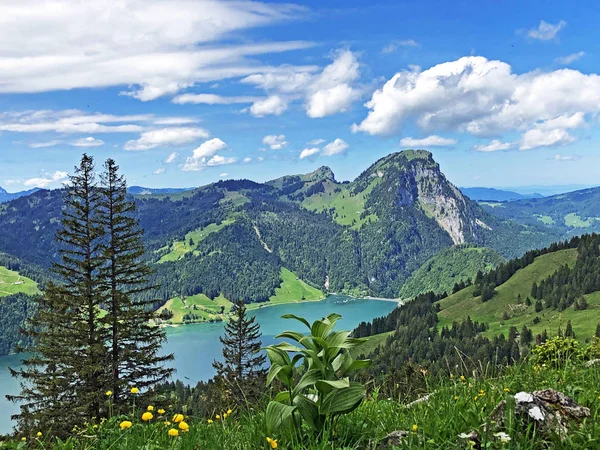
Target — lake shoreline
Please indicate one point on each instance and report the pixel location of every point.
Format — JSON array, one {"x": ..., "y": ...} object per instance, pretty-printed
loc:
[{"x": 260, "y": 306}]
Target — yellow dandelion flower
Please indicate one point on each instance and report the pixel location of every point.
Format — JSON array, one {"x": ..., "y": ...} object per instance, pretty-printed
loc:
[
  {"x": 462, "y": 378},
  {"x": 218, "y": 417},
  {"x": 178, "y": 418},
  {"x": 161, "y": 411},
  {"x": 39, "y": 434},
  {"x": 23, "y": 438},
  {"x": 506, "y": 390},
  {"x": 209, "y": 421},
  {"x": 183, "y": 426},
  {"x": 135, "y": 390},
  {"x": 173, "y": 432},
  {"x": 147, "y": 416},
  {"x": 150, "y": 408},
  {"x": 456, "y": 397},
  {"x": 108, "y": 393},
  {"x": 125, "y": 424},
  {"x": 225, "y": 416},
  {"x": 415, "y": 428},
  {"x": 229, "y": 411},
  {"x": 272, "y": 442}
]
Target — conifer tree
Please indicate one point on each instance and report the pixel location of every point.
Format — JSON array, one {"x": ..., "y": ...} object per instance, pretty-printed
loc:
[
  {"x": 597, "y": 334},
  {"x": 242, "y": 367},
  {"x": 569, "y": 330},
  {"x": 62, "y": 382},
  {"x": 133, "y": 344}
]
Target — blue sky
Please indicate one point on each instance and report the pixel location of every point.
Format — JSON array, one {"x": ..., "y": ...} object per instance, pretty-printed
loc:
[{"x": 185, "y": 92}]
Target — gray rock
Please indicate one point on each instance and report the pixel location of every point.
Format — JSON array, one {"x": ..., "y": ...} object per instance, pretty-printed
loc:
[
  {"x": 394, "y": 439},
  {"x": 551, "y": 411}
]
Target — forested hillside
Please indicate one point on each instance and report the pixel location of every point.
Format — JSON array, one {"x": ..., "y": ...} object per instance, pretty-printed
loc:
[
  {"x": 450, "y": 269},
  {"x": 363, "y": 237},
  {"x": 569, "y": 214}
]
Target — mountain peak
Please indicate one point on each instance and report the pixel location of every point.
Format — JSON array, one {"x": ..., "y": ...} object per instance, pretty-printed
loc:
[
  {"x": 322, "y": 173},
  {"x": 2, "y": 190}
]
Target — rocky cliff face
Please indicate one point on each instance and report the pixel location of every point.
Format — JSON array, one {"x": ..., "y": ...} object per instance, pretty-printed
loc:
[{"x": 418, "y": 182}]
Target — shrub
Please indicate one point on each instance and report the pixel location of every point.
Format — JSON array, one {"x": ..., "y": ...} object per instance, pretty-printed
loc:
[
  {"x": 557, "y": 352},
  {"x": 323, "y": 390}
]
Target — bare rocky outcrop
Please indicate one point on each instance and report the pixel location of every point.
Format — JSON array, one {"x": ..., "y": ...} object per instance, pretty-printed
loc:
[{"x": 549, "y": 410}]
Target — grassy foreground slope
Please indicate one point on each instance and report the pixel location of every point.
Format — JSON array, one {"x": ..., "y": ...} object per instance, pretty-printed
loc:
[
  {"x": 457, "y": 407},
  {"x": 12, "y": 283},
  {"x": 506, "y": 300}
]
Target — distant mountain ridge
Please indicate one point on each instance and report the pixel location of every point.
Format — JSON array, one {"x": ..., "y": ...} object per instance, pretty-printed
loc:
[
  {"x": 140, "y": 190},
  {"x": 568, "y": 214},
  {"x": 361, "y": 237},
  {"x": 494, "y": 195},
  {"x": 7, "y": 196}
]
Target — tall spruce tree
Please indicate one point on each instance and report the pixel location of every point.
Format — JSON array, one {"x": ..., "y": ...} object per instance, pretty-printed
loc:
[
  {"x": 62, "y": 381},
  {"x": 133, "y": 344},
  {"x": 242, "y": 367}
]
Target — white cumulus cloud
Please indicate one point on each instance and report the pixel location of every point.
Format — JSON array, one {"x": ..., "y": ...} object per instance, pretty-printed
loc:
[
  {"x": 275, "y": 142},
  {"x": 206, "y": 156},
  {"x": 46, "y": 180},
  {"x": 272, "y": 105},
  {"x": 307, "y": 152},
  {"x": 332, "y": 91},
  {"x": 429, "y": 141},
  {"x": 334, "y": 148},
  {"x": 166, "y": 137},
  {"x": 326, "y": 92},
  {"x": 159, "y": 171},
  {"x": 483, "y": 98}
]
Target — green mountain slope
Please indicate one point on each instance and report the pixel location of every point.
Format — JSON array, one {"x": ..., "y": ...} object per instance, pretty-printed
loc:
[
  {"x": 453, "y": 265},
  {"x": 567, "y": 214},
  {"x": 233, "y": 238},
  {"x": 561, "y": 285}
]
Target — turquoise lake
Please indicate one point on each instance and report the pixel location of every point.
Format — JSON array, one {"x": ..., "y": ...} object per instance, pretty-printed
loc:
[{"x": 196, "y": 346}]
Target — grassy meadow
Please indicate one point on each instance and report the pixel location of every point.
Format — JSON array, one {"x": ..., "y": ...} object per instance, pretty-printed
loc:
[
  {"x": 12, "y": 283},
  {"x": 456, "y": 406},
  {"x": 291, "y": 290},
  {"x": 462, "y": 304}
]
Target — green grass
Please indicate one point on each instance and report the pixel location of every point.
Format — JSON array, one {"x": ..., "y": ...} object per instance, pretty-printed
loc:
[
  {"x": 234, "y": 198},
  {"x": 546, "y": 220},
  {"x": 573, "y": 220},
  {"x": 180, "y": 248},
  {"x": 12, "y": 283},
  {"x": 462, "y": 304},
  {"x": 200, "y": 305},
  {"x": 455, "y": 407},
  {"x": 291, "y": 290},
  {"x": 374, "y": 341},
  {"x": 347, "y": 208}
]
